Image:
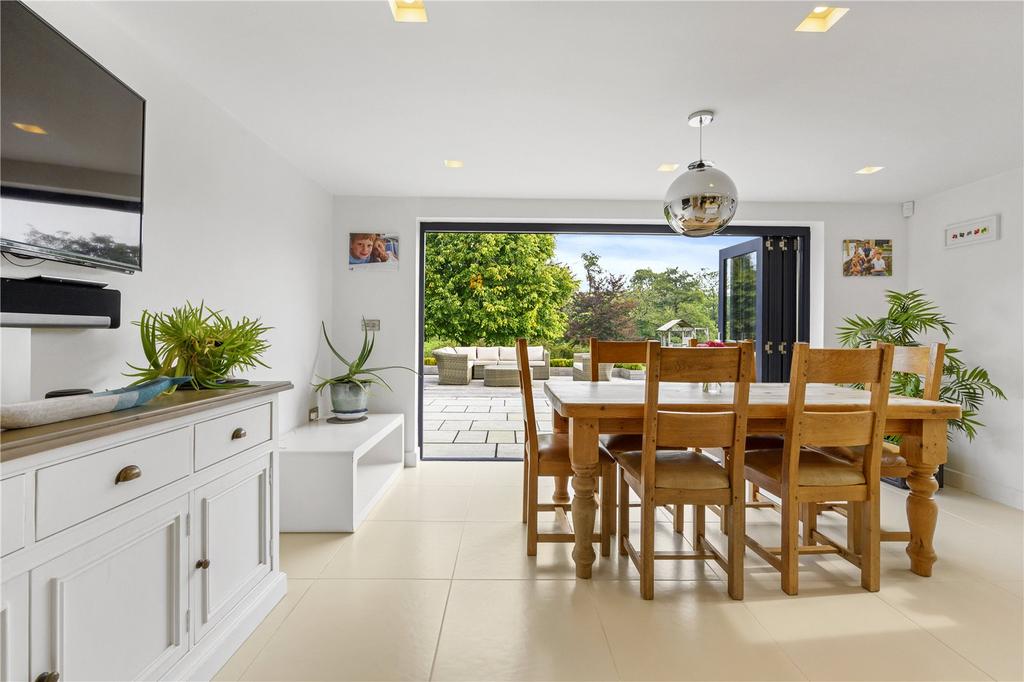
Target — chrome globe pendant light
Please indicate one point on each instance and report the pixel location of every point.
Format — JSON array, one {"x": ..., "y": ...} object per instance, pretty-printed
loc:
[{"x": 701, "y": 201}]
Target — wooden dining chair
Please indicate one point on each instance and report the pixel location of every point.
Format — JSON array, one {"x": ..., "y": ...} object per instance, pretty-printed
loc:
[
  {"x": 923, "y": 361},
  {"x": 634, "y": 352},
  {"x": 547, "y": 454},
  {"x": 686, "y": 476},
  {"x": 799, "y": 475}
]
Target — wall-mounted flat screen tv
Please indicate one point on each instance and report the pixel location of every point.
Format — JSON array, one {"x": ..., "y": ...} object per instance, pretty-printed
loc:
[{"x": 71, "y": 150}]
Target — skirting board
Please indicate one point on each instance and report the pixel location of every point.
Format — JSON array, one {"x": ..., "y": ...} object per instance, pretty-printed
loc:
[
  {"x": 990, "y": 490},
  {"x": 207, "y": 657}
]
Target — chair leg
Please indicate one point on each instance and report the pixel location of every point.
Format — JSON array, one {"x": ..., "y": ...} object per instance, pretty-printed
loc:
[
  {"x": 623, "y": 512},
  {"x": 526, "y": 488},
  {"x": 853, "y": 526},
  {"x": 607, "y": 508},
  {"x": 736, "y": 513},
  {"x": 678, "y": 518},
  {"x": 754, "y": 493},
  {"x": 790, "y": 543},
  {"x": 810, "y": 522},
  {"x": 647, "y": 511},
  {"x": 870, "y": 568},
  {"x": 698, "y": 524},
  {"x": 531, "y": 518}
]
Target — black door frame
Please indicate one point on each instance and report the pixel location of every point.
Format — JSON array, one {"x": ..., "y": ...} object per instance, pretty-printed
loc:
[{"x": 624, "y": 228}]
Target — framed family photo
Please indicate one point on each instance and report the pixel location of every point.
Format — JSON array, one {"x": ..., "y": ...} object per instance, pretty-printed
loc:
[
  {"x": 867, "y": 258},
  {"x": 372, "y": 251}
]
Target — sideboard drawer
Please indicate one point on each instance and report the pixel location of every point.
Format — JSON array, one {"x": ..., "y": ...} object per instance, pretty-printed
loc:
[
  {"x": 12, "y": 521},
  {"x": 73, "y": 491},
  {"x": 222, "y": 437}
]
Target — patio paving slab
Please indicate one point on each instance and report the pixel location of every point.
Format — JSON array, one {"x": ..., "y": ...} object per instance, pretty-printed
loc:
[
  {"x": 453, "y": 425},
  {"x": 504, "y": 425},
  {"x": 501, "y": 436},
  {"x": 439, "y": 436},
  {"x": 510, "y": 451},
  {"x": 471, "y": 437}
]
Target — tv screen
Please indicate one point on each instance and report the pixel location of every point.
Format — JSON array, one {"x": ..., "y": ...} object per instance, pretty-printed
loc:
[{"x": 70, "y": 150}]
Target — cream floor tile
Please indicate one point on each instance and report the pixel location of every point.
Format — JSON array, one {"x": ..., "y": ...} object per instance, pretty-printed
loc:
[
  {"x": 502, "y": 473},
  {"x": 441, "y": 473},
  {"x": 423, "y": 503},
  {"x": 497, "y": 551},
  {"x": 991, "y": 515},
  {"x": 1013, "y": 586},
  {"x": 246, "y": 654},
  {"x": 522, "y": 630},
  {"x": 619, "y": 567},
  {"x": 690, "y": 631},
  {"x": 304, "y": 555},
  {"x": 398, "y": 550},
  {"x": 357, "y": 630},
  {"x": 973, "y": 618},
  {"x": 496, "y": 503},
  {"x": 857, "y": 637}
]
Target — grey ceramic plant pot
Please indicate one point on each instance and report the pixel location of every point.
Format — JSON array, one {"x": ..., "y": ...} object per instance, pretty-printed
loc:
[{"x": 348, "y": 401}]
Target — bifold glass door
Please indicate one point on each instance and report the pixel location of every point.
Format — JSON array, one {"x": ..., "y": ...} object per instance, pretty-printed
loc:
[{"x": 762, "y": 297}]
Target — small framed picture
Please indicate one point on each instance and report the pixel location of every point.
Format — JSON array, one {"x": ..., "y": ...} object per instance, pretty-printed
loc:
[
  {"x": 867, "y": 258},
  {"x": 372, "y": 251},
  {"x": 973, "y": 232}
]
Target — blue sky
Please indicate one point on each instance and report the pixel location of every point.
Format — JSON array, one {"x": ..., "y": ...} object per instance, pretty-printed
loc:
[{"x": 624, "y": 254}]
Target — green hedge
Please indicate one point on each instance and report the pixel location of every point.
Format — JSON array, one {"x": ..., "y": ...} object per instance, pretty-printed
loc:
[
  {"x": 561, "y": 362},
  {"x": 630, "y": 365},
  {"x": 429, "y": 361}
]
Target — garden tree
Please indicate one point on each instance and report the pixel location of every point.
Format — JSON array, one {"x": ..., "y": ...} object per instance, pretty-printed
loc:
[
  {"x": 674, "y": 294},
  {"x": 494, "y": 288},
  {"x": 605, "y": 309}
]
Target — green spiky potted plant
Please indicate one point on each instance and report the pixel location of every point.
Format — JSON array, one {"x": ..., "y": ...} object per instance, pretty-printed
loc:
[
  {"x": 201, "y": 343},
  {"x": 910, "y": 315},
  {"x": 350, "y": 391}
]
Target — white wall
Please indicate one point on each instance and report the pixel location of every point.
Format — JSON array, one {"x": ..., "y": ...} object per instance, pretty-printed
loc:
[
  {"x": 227, "y": 221},
  {"x": 981, "y": 288},
  {"x": 392, "y": 297}
]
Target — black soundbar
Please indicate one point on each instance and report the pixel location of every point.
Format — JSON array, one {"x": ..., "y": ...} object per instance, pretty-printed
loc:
[{"x": 40, "y": 303}]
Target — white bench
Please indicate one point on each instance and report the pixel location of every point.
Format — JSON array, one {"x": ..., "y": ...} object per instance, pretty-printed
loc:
[{"x": 333, "y": 474}]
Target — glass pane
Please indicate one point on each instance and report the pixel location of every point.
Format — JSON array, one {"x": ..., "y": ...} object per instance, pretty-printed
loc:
[{"x": 741, "y": 297}]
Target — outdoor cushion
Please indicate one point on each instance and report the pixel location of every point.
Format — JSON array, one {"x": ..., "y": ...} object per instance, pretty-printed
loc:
[
  {"x": 535, "y": 353},
  {"x": 446, "y": 349},
  {"x": 487, "y": 353},
  {"x": 467, "y": 350},
  {"x": 683, "y": 470},
  {"x": 507, "y": 353},
  {"x": 816, "y": 468}
]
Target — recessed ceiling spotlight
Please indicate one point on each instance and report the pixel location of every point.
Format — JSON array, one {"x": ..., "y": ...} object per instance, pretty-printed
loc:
[
  {"x": 868, "y": 170},
  {"x": 667, "y": 167},
  {"x": 30, "y": 128},
  {"x": 821, "y": 19},
  {"x": 408, "y": 11},
  {"x": 453, "y": 163}
]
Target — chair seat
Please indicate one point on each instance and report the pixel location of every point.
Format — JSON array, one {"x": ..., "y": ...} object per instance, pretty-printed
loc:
[
  {"x": 891, "y": 456},
  {"x": 764, "y": 442},
  {"x": 553, "y": 448},
  {"x": 816, "y": 468},
  {"x": 623, "y": 442},
  {"x": 679, "y": 470}
]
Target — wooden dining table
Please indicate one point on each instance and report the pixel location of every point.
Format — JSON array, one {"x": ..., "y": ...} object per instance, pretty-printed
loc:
[{"x": 585, "y": 409}]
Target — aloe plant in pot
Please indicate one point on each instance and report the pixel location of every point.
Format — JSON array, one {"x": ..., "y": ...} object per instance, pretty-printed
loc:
[{"x": 350, "y": 391}]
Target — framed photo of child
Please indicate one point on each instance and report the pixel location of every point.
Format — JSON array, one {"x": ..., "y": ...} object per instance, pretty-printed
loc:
[
  {"x": 372, "y": 251},
  {"x": 867, "y": 258}
]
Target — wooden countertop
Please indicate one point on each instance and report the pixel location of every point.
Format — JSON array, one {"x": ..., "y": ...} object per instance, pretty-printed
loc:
[{"x": 15, "y": 443}]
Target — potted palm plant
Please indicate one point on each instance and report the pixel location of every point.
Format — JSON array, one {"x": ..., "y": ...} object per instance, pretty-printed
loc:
[
  {"x": 910, "y": 315},
  {"x": 350, "y": 390}
]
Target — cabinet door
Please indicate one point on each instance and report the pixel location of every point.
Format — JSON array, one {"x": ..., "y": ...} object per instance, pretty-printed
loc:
[
  {"x": 115, "y": 607},
  {"x": 14, "y": 629},
  {"x": 231, "y": 541}
]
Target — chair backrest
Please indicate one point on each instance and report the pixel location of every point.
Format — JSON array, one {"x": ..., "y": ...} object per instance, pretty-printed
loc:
[
  {"x": 725, "y": 428},
  {"x": 529, "y": 412},
  {"x": 843, "y": 426},
  {"x": 926, "y": 361},
  {"x": 615, "y": 351}
]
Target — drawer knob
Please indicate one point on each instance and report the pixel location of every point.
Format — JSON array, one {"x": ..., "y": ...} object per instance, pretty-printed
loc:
[
  {"x": 203, "y": 563},
  {"x": 48, "y": 677},
  {"x": 129, "y": 473},
  {"x": 238, "y": 434}
]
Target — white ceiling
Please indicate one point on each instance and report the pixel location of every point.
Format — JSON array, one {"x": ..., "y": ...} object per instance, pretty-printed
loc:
[{"x": 585, "y": 99}]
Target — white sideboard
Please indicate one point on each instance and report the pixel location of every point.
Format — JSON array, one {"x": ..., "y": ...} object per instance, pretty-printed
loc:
[{"x": 140, "y": 544}]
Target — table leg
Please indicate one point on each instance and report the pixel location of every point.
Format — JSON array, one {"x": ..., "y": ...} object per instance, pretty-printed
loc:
[
  {"x": 586, "y": 468},
  {"x": 924, "y": 451},
  {"x": 561, "y": 494},
  {"x": 922, "y": 514}
]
